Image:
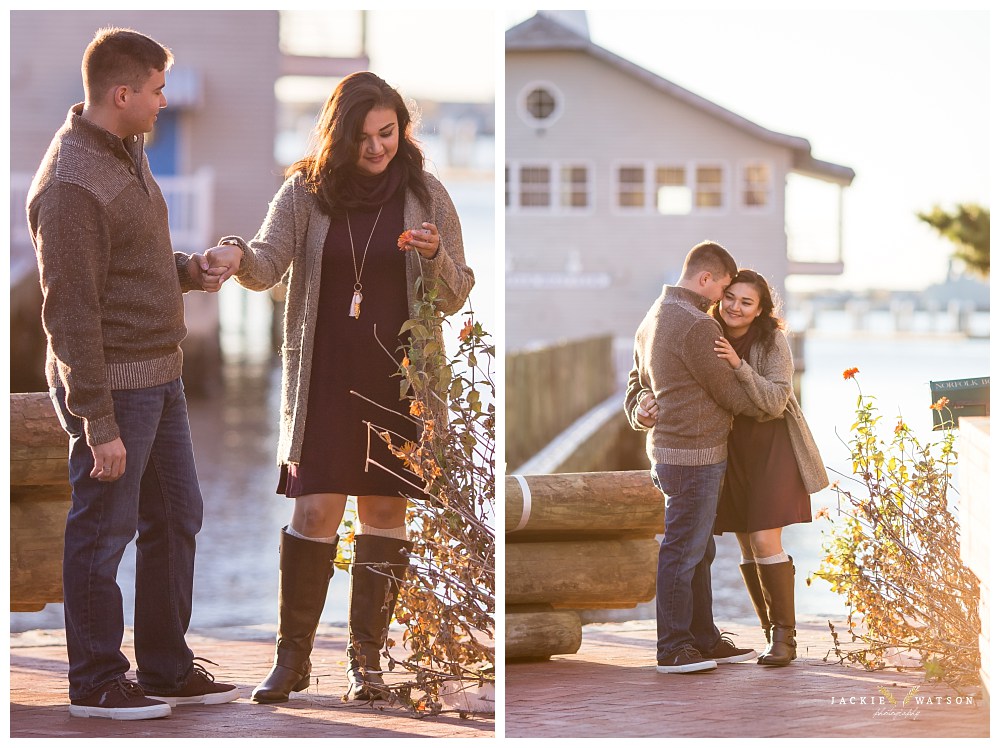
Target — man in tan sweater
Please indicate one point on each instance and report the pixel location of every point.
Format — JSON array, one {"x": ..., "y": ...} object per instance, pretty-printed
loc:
[
  {"x": 685, "y": 396},
  {"x": 113, "y": 315}
]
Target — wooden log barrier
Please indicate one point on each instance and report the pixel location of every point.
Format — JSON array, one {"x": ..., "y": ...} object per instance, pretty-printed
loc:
[
  {"x": 538, "y": 632},
  {"x": 39, "y": 501},
  {"x": 582, "y": 574},
  {"x": 575, "y": 541},
  {"x": 614, "y": 504}
]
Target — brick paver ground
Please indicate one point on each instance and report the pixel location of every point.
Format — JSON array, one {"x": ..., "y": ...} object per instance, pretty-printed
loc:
[
  {"x": 610, "y": 688},
  {"x": 39, "y": 705}
]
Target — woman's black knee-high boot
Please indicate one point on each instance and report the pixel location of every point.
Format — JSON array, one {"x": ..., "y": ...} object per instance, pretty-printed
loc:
[
  {"x": 378, "y": 567},
  {"x": 305, "y": 569}
]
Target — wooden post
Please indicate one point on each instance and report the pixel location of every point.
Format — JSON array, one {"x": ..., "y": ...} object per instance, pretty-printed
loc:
[{"x": 39, "y": 500}]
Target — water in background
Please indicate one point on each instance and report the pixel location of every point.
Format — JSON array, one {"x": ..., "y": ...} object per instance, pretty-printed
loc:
[
  {"x": 235, "y": 438},
  {"x": 897, "y": 370}
]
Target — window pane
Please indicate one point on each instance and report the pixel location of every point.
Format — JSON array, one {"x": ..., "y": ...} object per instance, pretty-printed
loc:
[
  {"x": 756, "y": 185},
  {"x": 670, "y": 176},
  {"x": 709, "y": 175},
  {"x": 631, "y": 186},
  {"x": 574, "y": 192},
  {"x": 535, "y": 186},
  {"x": 709, "y": 186},
  {"x": 673, "y": 201},
  {"x": 540, "y": 103}
]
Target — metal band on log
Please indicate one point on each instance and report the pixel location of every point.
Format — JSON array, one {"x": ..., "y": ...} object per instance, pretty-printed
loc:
[{"x": 39, "y": 500}]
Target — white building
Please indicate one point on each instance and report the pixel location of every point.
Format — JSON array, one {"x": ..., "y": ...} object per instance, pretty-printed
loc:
[{"x": 613, "y": 173}]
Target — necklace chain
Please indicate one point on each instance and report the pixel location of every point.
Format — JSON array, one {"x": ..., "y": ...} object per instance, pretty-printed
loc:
[{"x": 355, "y": 310}]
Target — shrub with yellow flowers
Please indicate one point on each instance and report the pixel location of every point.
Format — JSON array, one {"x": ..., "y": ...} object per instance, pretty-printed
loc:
[
  {"x": 893, "y": 551},
  {"x": 447, "y": 601}
]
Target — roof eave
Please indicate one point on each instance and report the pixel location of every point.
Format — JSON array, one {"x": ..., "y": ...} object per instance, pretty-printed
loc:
[
  {"x": 539, "y": 34},
  {"x": 804, "y": 163}
]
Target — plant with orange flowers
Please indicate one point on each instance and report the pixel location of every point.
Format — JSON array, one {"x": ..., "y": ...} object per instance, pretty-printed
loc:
[
  {"x": 893, "y": 551},
  {"x": 447, "y": 602}
]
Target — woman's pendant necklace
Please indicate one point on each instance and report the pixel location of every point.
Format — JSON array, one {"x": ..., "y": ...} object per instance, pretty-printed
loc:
[{"x": 355, "y": 310}]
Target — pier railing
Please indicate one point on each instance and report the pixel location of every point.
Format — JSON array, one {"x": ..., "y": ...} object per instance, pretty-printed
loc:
[{"x": 549, "y": 388}]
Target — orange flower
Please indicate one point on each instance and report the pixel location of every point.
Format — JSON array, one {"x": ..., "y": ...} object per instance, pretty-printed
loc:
[
  {"x": 410, "y": 454},
  {"x": 824, "y": 512},
  {"x": 900, "y": 426},
  {"x": 940, "y": 404},
  {"x": 403, "y": 242},
  {"x": 416, "y": 408},
  {"x": 406, "y": 361},
  {"x": 849, "y": 373},
  {"x": 466, "y": 330}
]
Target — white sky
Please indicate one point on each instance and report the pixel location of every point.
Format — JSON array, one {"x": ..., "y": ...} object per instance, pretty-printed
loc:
[
  {"x": 447, "y": 55},
  {"x": 902, "y": 97}
]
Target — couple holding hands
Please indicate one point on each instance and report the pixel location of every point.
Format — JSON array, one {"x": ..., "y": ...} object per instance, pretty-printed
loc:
[{"x": 352, "y": 229}]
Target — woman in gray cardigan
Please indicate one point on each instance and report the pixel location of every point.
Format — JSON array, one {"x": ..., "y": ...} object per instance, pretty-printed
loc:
[
  {"x": 773, "y": 464},
  {"x": 355, "y": 226}
]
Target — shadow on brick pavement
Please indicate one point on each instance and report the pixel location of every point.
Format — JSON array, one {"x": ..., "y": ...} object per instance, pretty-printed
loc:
[
  {"x": 610, "y": 688},
  {"x": 39, "y": 700}
]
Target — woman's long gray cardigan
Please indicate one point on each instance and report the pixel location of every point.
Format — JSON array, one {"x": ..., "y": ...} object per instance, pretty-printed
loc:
[
  {"x": 291, "y": 240},
  {"x": 766, "y": 375}
]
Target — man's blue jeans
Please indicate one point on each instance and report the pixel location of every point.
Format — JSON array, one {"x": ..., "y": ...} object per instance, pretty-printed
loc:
[
  {"x": 684, "y": 570},
  {"x": 158, "y": 497}
]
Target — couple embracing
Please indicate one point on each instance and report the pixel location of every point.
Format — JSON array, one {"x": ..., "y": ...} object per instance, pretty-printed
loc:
[{"x": 711, "y": 383}]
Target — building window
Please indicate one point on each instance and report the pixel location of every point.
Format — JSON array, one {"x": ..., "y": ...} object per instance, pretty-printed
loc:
[
  {"x": 673, "y": 196},
  {"x": 709, "y": 187},
  {"x": 756, "y": 185},
  {"x": 536, "y": 187},
  {"x": 631, "y": 186},
  {"x": 574, "y": 187},
  {"x": 541, "y": 103}
]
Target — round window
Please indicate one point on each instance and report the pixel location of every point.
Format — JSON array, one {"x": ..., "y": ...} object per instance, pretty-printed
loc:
[{"x": 541, "y": 104}]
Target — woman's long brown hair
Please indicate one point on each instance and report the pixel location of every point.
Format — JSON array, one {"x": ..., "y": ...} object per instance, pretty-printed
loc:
[
  {"x": 768, "y": 321},
  {"x": 330, "y": 168}
]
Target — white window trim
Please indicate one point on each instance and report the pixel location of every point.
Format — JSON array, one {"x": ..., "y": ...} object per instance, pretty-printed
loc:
[
  {"x": 555, "y": 206},
  {"x": 688, "y": 182},
  {"x": 553, "y": 195},
  {"x": 756, "y": 209},
  {"x": 649, "y": 179},
  {"x": 522, "y": 105},
  {"x": 590, "y": 186},
  {"x": 726, "y": 187},
  {"x": 647, "y": 205}
]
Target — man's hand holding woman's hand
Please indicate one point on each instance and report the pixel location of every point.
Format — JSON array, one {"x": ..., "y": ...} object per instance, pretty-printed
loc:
[{"x": 215, "y": 267}]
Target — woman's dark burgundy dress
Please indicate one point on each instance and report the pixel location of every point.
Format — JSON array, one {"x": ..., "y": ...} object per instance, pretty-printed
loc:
[
  {"x": 357, "y": 355},
  {"x": 763, "y": 487}
]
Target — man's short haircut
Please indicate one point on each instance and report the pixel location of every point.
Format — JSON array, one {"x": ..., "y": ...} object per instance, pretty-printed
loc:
[
  {"x": 710, "y": 257},
  {"x": 121, "y": 57}
]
